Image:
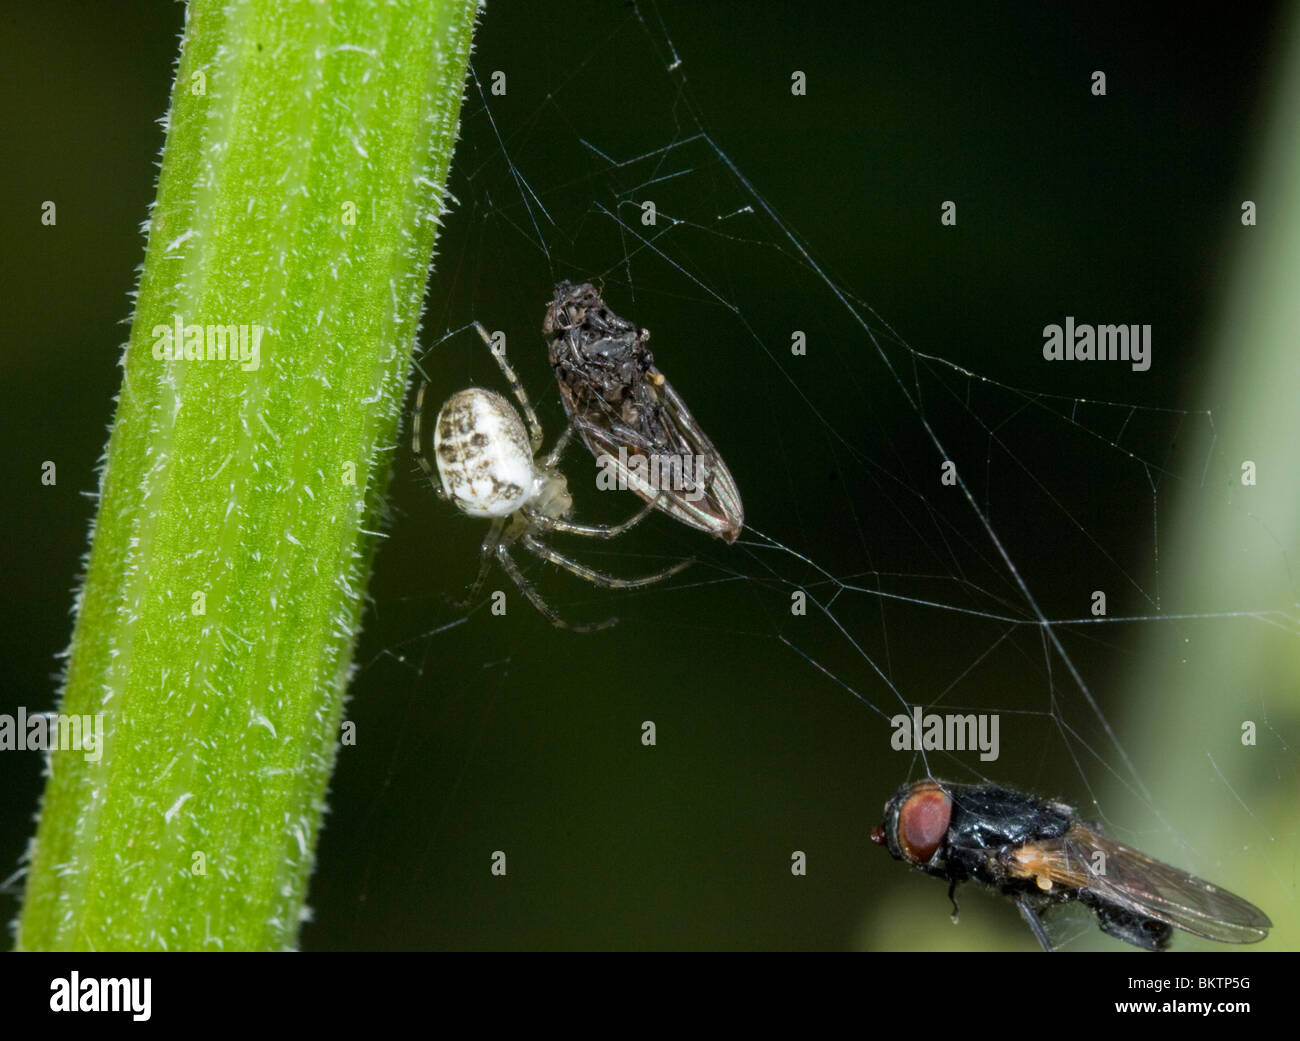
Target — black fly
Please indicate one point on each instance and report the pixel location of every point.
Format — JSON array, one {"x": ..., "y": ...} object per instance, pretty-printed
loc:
[{"x": 1041, "y": 853}]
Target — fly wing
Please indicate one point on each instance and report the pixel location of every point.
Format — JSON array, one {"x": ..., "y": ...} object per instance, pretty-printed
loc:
[{"x": 1147, "y": 886}]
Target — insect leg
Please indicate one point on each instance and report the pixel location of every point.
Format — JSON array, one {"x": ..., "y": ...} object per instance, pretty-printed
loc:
[{"x": 1035, "y": 923}]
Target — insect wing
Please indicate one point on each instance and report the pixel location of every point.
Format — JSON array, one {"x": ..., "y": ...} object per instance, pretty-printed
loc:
[
  {"x": 722, "y": 497},
  {"x": 708, "y": 498},
  {"x": 1147, "y": 886},
  {"x": 623, "y": 407}
]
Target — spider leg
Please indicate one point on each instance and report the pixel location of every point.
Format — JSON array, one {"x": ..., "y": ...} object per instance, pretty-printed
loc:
[
  {"x": 598, "y": 531},
  {"x": 521, "y": 395},
  {"x": 417, "y": 448},
  {"x": 1035, "y": 923},
  {"x": 599, "y": 578},
  {"x": 491, "y": 544},
  {"x": 553, "y": 456},
  {"x": 535, "y": 598}
]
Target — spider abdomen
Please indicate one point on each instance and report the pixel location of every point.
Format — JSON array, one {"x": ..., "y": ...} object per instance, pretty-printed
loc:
[{"x": 484, "y": 458}]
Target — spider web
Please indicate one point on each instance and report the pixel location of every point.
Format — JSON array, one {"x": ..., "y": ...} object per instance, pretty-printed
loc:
[{"x": 773, "y": 727}]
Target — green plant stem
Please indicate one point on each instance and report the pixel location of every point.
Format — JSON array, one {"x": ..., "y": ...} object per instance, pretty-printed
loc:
[{"x": 302, "y": 178}]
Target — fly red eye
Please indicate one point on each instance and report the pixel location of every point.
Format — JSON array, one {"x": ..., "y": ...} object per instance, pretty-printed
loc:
[{"x": 923, "y": 821}]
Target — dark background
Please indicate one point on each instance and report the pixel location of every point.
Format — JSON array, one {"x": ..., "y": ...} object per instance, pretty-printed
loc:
[{"x": 504, "y": 734}]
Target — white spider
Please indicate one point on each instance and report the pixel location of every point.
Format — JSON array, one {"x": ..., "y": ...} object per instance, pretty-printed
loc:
[{"x": 488, "y": 465}]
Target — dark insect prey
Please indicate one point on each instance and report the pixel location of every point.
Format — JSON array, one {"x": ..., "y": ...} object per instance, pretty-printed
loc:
[{"x": 630, "y": 417}]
